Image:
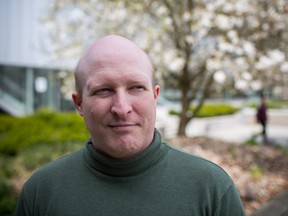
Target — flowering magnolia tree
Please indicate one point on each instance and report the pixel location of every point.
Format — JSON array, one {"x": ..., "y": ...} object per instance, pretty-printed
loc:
[{"x": 197, "y": 46}]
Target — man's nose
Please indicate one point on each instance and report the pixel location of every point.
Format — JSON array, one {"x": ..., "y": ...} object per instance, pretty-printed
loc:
[{"x": 121, "y": 105}]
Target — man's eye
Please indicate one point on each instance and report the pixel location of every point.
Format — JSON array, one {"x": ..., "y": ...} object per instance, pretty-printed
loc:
[
  {"x": 137, "y": 88},
  {"x": 103, "y": 92}
]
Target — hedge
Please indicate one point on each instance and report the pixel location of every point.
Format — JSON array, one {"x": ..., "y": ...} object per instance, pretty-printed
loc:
[
  {"x": 209, "y": 110},
  {"x": 45, "y": 127},
  {"x": 272, "y": 104}
]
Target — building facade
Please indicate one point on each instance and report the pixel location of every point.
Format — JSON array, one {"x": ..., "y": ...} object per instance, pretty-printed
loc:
[{"x": 24, "y": 89}]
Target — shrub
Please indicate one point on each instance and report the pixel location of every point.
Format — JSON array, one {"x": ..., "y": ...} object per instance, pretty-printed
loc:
[
  {"x": 209, "y": 110},
  {"x": 43, "y": 127},
  {"x": 272, "y": 104},
  {"x": 7, "y": 199},
  {"x": 43, "y": 154},
  {"x": 256, "y": 172}
]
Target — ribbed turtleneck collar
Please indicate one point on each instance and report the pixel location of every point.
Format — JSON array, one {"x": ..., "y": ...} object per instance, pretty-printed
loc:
[{"x": 126, "y": 167}]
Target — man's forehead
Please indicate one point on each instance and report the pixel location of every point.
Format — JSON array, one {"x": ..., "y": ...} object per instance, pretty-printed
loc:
[
  {"x": 124, "y": 57},
  {"x": 101, "y": 78},
  {"x": 113, "y": 51}
]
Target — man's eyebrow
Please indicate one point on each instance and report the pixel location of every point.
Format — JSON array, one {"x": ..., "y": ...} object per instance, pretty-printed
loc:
[{"x": 93, "y": 84}]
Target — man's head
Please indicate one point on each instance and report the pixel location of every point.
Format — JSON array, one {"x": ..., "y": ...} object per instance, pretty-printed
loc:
[
  {"x": 116, "y": 95},
  {"x": 264, "y": 99},
  {"x": 119, "y": 45}
]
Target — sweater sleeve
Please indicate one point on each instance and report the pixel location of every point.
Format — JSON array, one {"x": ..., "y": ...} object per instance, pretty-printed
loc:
[{"x": 230, "y": 204}]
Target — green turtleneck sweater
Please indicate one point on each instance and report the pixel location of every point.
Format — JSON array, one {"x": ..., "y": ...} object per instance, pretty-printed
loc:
[{"x": 161, "y": 181}]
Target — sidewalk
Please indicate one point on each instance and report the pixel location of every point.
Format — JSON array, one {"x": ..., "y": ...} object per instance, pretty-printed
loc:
[
  {"x": 237, "y": 128},
  {"x": 241, "y": 127},
  {"x": 241, "y": 133}
]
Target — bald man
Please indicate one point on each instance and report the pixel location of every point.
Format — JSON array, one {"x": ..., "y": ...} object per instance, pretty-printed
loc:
[{"x": 125, "y": 168}]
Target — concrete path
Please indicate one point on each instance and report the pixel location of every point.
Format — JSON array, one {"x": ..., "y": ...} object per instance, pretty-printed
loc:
[{"x": 237, "y": 128}]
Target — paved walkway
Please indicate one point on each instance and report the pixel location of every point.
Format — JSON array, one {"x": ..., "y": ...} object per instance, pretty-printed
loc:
[
  {"x": 238, "y": 132},
  {"x": 237, "y": 128}
]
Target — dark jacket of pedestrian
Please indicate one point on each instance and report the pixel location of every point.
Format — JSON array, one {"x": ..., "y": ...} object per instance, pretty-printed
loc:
[{"x": 262, "y": 113}]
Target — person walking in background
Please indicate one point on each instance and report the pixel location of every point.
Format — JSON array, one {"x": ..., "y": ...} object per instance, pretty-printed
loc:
[{"x": 262, "y": 118}]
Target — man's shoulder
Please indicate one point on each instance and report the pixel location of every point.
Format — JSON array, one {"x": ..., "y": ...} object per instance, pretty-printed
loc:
[
  {"x": 196, "y": 164},
  {"x": 186, "y": 156}
]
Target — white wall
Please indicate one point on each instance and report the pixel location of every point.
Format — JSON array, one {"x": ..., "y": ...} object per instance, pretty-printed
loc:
[{"x": 21, "y": 32}]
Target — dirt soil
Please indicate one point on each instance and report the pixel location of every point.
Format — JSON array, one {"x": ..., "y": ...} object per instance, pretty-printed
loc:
[{"x": 259, "y": 172}]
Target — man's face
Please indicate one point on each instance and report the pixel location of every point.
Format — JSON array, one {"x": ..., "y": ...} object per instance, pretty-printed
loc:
[{"x": 118, "y": 104}]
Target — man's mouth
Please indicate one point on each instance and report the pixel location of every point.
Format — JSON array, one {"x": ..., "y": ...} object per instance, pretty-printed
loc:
[{"x": 122, "y": 126}]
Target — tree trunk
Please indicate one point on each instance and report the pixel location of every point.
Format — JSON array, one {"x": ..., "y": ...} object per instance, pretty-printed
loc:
[
  {"x": 186, "y": 116},
  {"x": 182, "y": 126},
  {"x": 184, "y": 112}
]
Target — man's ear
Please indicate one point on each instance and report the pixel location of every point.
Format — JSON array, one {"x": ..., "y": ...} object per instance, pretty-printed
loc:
[
  {"x": 77, "y": 99},
  {"x": 156, "y": 91}
]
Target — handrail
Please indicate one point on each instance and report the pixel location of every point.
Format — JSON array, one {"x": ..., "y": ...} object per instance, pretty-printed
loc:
[
  {"x": 13, "y": 96},
  {"x": 11, "y": 105},
  {"x": 12, "y": 88}
]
